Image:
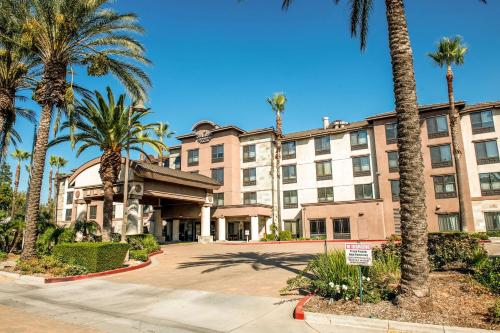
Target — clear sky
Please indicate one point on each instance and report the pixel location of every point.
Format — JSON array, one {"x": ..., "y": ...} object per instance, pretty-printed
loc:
[{"x": 221, "y": 59}]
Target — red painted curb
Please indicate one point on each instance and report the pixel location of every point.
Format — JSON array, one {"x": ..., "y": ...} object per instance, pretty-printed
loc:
[
  {"x": 309, "y": 241},
  {"x": 110, "y": 272},
  {"x": 298, "y": 313}
]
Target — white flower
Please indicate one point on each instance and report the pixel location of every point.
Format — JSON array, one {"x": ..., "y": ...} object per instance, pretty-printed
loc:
[
  {"x": 331, "y": 284},
  {"x": 368, "y": 279},
  {"x": 363, "y": 278},
  {"x": 344, "y": 287},
  {"x": 346, "y": 299},
  {"x": 337, "y": 288}
]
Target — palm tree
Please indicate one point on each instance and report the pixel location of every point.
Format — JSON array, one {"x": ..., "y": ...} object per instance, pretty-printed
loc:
[
  {"x": 162, "y": 132},
  {"x": 451, "y": 51},
  {"x": 60, "y": 163},
  {"x": 105, "y": 124},
  {"x": 70, "y": 34},
  {"x": 278, "y": 102},
  {"x": 19, "y": 155},
  {"x": 53, "y": 159}
]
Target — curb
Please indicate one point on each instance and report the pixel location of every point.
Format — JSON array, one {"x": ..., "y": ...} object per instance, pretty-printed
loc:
[
  {"x": 298, "y": 312},
  {"x": 308, "y": 241},
  {"x": 110, "y": 272}
]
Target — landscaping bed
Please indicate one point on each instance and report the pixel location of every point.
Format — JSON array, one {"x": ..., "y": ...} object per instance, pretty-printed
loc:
[{"x": 456, "y": 300}]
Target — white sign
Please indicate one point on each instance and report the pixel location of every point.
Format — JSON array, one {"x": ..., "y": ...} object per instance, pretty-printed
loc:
[
  {"x": 358, "y": 254},
  {"x": 247, "y": 232}
]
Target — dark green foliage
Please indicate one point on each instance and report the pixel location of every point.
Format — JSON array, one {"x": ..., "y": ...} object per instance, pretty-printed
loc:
[
  {"x": 139, "y": 255},
  {"x": 479, "y": 235},
  {"x": 50, "y": 265},
  {"x": 487, "y": 272},
  {"x": 453, "y": 249},
  {"x": 285, "y": 235},
  {"x": 95, "y": 257},
  {"x": 5, "y": 196},
  {"x": 143, "y": 242},
  {"x": 493, "y": 233},
  {"x": 3, "y": 256},
  {"x": 51, "y": 236},
  {"x": 494, "y": 313},
  {"x": 269, "y": 238},
  {"x": 5, "y": 174}
]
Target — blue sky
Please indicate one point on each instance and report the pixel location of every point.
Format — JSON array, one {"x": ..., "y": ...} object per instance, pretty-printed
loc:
[{"x": 220, "y": 59}]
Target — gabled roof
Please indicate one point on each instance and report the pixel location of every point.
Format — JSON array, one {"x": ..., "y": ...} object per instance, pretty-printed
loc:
[
  {"x": 215, "y": 130},
  {"x": 481, "y": 106},
  {"x": 321, "y": 131}
]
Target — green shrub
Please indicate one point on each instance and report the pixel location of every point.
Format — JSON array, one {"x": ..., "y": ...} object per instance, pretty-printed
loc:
[
  {"x": 285, "y": 235},
  {"x": 455, "y": 248},
  {"x": 479, "y": 235},
  {"x": 495, "y": 233},
  {"x": 487, "y": 272},
  {"x": 269, "y": 238},
  {"x": 95, "y": 257},
  {"x": 49, "y": 265},
  {"x": 386, "y": 274},
  {"x": 3, "y": 256},
  {"x": 494, "y": 313},
  {"x": 322, "y": 237},
  {"x": 139, "y": 255},
  {"x": 143, "y": 242}
]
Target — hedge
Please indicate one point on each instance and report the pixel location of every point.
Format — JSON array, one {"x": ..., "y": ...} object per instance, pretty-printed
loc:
[
  {"x": 95, "y": 257},
  {"x": 141, "y": 255},
  {"x": 143, "y": 242}
]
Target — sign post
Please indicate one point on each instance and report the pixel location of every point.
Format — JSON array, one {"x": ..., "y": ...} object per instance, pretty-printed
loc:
[
  {"x": 359, "y": 255},
  {"x": 247, "y": 233}
]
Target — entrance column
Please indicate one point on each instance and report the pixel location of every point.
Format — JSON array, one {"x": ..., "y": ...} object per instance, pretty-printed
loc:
[
  {"x": 134, "y": 223},
  {"x": 205, "y": 236},
  {"x": 254, "y": 228},
  {"x": 175, "y": 230},
  {"x": 221, "y": 229}
]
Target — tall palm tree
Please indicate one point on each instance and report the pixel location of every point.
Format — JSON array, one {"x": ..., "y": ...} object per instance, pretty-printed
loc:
[
  {"x": 69, "y": 34},
  {"x": 53, "y": 159},
  {"x": 21, "y": 156},
  {"x": 277, "y": 103},
  {"x": 162, "y": 132},
  {"x": 104, "y": 123},
  {"x": 451, "y": 51}
]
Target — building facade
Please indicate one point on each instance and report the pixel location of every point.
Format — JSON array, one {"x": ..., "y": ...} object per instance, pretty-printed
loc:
[{"x": 339, "y": 181}]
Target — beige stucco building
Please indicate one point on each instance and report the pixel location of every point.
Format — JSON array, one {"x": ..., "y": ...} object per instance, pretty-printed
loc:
[{"x": 338, "y": 181}]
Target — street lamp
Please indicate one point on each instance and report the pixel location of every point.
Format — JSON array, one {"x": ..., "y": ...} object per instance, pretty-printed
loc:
[{"x": 137, "y": 106}]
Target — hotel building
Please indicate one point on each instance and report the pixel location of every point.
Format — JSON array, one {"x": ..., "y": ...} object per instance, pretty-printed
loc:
[{"x": 338, "y": 181}]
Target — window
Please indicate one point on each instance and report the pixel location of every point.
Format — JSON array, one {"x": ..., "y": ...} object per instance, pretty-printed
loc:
[
  {"x": 317, "y": 227},
  {"x": 217, "y": 153},
  {"x": 393, "y": 158},
  {"x": 290, "y": 199},
  {"x": 67, "y": 217},
  {"x": 490, "y": 183},
  {"x": 92, "y": 212},
  {"x": 363, "y": 191},
  {"x": 69, "y": 198},
  {"x": 177, "y": 162},
  {"x": 293, "y": 227},
  {"x": 249, "y": 198},
  {"x": 325, "y": 194},
  {"x": 249, "y": 177},
  {"x": 341, "y": 228},
  {"x": 492, "y": 221},
  {"x": 391, "y": 133},
  {"x": 395, "y": 189},
  {"x": 249, "y": 153},
  {"x": 440, "y": 156},
  {"x": 288, "y": 150},
  {"x": 359, "y": 140},
  {"x": 437, "y": 126},
  {"x": 482, "y": 122},
  {"x": 289, "y": 174},
  {"x": 166, "y": 163},
  {"x": 323, "y": 170},
  {"x": 361, "y": 166},
  {"x": 218, "y": 199},
  {"x": 218, "y": 175},
  {"x": 444, "y": 186},
  {"x": 193, "y": 157},
  {"x": 113, "y": 215},
  {"x": 322, "y": 145},
  {"x": 486, "y": 152},
  {"x": 448, "y": 222}
]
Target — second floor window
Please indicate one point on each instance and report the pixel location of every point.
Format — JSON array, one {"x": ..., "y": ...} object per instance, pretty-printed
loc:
[
  {"x": 322, "y": 145},
  {"x": 69, "y": 198},
  {"x": 67, "y": 216},
  {"x": 217, "y": 153},
  {"x": 363, "y": 191},
  {"x": 361, "y": 166},
  {"x": 193, "y": 157},
  {"x": 290, "y": 199},
  {"x": 393, "y": 158},
  {"x": 289, "y": 174},
  {"x": 391, "y": 133},
  {"x": 249, "y": 198},
  {"x": 92, "y": 212},
  {"x": 437, "y": 126},
  {"x": 440, "y": 156},
  {"x": 249, "y": 177},
  {"x": 486, "y": 152},
  {"x": 324, "y": 170},
  {"x": 482, "y": 122},
  {"x": 288, "y": 150},
  {"x": 249, "y": 153},
  {"x": 325, "y": 194},
  {"x": 359, "y": 140},
  {"x": 444, "y": 186},
  {"x": 395, "y": 189},
  {"x": 218, "y": 175},
  {"x": 218, "y": 199},
  {"x": 490, "y": 183}
]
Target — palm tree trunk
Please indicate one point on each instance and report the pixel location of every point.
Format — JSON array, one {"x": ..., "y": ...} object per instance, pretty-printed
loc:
[
  {"x": 6, "y": 107},
  {"x": 414, "y": 258},
  {"x": 107, "y": 211},
  {"x": 109, "y": 172},
  {"x": 278, "y": 165},
  {"x": 37, "y": 170},
  {"x": 460, "y": 166},
  {"x": 50, "y": 185},
  {"x": 16, "y": 186}
]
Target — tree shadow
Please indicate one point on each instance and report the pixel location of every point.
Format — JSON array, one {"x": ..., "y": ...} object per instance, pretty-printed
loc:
[{"x": 292, "y": 262}]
